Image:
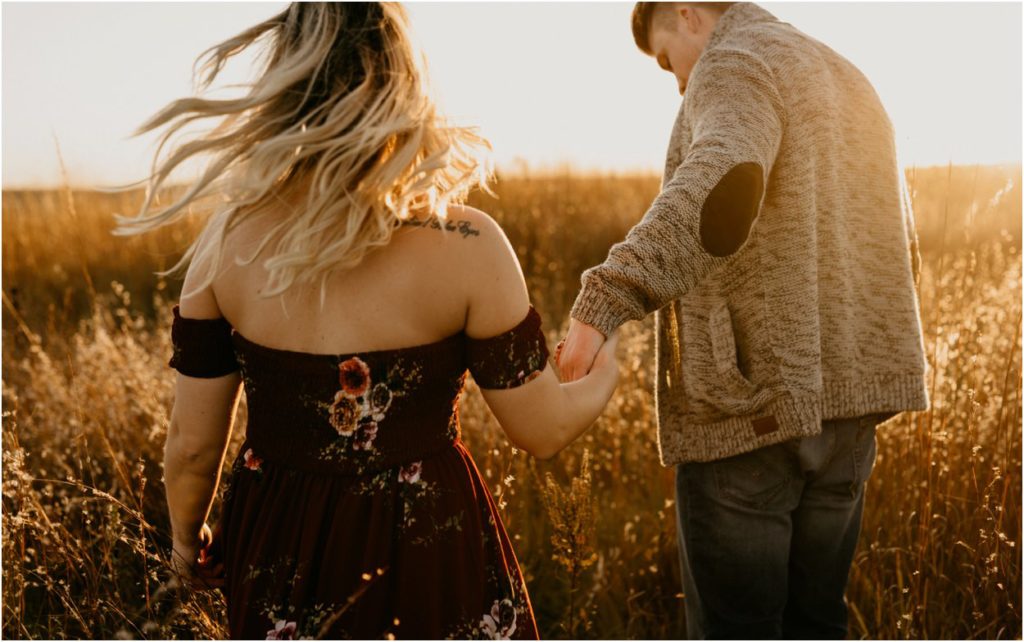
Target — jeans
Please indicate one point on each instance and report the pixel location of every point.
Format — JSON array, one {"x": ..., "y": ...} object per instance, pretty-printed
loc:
[{"x": 766, "y": 538}]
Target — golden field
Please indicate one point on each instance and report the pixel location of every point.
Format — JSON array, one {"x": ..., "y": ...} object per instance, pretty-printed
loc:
[{"x": 87, "y": 396}]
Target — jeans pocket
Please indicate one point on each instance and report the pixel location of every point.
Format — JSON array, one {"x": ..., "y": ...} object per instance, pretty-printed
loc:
[{"x": 755, "y": 479}]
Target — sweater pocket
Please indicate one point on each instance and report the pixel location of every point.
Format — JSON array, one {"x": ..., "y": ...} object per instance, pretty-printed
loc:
[
  {"x": 715, "y": 381},
  {"x": 723, "y": 347}
]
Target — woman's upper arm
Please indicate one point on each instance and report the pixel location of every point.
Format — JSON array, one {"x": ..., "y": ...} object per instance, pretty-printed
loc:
[
  {"x": 198, "y": 303},
  {"x": 508, "y": 355},
  {"x": 208, "y": 382},
  {"x": 497, "y": 299}
]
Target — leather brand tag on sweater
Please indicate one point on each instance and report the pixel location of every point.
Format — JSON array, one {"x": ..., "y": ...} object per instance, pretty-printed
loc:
[{"x": 765, "y": 425}]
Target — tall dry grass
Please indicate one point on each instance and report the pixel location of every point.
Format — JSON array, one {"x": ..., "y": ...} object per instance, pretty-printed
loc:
[{"x": 86, "y": 396}]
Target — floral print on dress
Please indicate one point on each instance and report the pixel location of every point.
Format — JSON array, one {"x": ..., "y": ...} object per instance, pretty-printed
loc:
[
  {"x": 522, "y": 377},
  {"x": 380, "y": 401},
  {"x": 535, "y": 360},
  {"x": 345, "y": 414},
  {"x": 361, "y": 404},
  {"x": 282, "y": 631},
  {"x": 354, "y": 376},
  {"x": 252, "y": 462},
  {"x": 366, "y": 431},
  {"x": 354, "y": 413},
  {"x": 512, "y": 358},
  {"x": 410, "y": 473},
  {"x": 500, "y": 623}
]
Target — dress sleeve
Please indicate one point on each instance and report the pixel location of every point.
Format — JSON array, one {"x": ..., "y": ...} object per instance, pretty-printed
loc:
[
  {"x": 202, "y": 347},
  {"x": 511, "y": 358}
]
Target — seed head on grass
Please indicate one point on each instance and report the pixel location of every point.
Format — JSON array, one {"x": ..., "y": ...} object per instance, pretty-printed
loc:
[{"x": 572, "y": 518}]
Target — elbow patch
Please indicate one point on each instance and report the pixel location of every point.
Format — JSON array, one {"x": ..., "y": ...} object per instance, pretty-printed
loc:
[{"x": 730, "y": 209}]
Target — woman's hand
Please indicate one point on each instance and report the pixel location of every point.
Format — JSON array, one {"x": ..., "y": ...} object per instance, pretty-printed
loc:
[
  {"x": 606, "y": 355},
  {"x": 196, "y": 565},
  {"x": 605, "y": 365}
]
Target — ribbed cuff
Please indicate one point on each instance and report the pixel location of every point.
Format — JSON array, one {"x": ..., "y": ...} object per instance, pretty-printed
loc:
[{"x": 598, "y": 308}]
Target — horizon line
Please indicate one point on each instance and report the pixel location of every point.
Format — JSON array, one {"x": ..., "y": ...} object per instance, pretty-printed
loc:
[{"x": 514, "y": 170}]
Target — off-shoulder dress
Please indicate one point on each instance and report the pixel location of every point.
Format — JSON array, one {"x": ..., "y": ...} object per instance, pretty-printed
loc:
[{"x": 353, "y": 509}]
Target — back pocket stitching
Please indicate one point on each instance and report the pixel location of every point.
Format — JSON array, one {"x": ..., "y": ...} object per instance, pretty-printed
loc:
[{"x": 764, "y": 497}]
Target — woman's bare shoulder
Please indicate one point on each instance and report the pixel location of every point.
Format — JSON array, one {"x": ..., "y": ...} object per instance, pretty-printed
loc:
[
  {"x": 496, "y": 287},
  {"x": 479, "y": 262},
  {"x": 462, "y": 223},
  {"x": 198, "y": 299},
  {"x": 467, "y": 243}
]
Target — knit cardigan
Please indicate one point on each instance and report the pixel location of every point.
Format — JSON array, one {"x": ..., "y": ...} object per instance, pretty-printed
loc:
[{"x": 780, "y": 255}]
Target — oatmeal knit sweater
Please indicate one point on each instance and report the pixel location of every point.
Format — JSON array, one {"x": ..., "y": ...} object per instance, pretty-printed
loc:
[{"x": 780, "y": 256}]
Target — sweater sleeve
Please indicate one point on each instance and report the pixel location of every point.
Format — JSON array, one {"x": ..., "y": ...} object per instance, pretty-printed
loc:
[{"x": 705, "y": 212}]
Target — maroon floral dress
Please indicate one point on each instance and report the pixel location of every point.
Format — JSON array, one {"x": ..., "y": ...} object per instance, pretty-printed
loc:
[{"x": 353, "y": 509}]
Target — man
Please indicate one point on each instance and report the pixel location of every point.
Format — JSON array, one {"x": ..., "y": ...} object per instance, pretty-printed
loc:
[{"x": 781, "y": 260}]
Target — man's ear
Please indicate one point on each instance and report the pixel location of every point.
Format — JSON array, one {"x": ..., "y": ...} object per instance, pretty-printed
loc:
[{"x": 689, "y": 17}]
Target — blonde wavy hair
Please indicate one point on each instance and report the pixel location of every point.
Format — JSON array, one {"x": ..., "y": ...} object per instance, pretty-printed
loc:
[{"x": 340, "y": 115}]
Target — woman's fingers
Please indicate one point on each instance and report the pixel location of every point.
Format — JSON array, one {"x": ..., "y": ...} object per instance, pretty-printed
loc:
[
  {"x": 607, "y": 352},
  {"x": 205, "y": 535},
  {"x": 209, "y": 574},
  {"x": 202, "y": 569}
]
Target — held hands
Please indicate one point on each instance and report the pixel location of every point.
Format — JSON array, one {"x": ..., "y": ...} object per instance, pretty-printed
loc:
[
  {"x": 198, "y": 566},
  {"x": 606, "y": 363},
  {"x": 577, "y": 353}
]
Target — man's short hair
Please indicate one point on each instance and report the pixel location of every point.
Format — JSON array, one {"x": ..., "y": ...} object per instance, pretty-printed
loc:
[{"x": 644, "y": 14}]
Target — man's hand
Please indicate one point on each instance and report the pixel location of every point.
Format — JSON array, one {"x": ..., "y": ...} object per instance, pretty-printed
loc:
[{"x": 576, "y": 352}]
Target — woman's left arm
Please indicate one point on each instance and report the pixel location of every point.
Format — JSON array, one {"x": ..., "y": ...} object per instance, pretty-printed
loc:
[
  {"x": 197, "y": 440},
  {"x": 205, "y": 399}
]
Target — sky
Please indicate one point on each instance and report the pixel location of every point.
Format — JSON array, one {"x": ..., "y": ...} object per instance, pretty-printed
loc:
[{"x": 547, "y": 83}]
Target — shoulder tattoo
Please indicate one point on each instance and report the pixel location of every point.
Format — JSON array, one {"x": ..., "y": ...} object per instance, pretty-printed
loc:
[{"x": 463, "y": 227}]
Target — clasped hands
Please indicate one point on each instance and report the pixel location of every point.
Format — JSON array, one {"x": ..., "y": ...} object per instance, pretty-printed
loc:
[{"x": 575, "y": 354}]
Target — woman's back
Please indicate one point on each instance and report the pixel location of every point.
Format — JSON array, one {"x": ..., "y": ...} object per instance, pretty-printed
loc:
[{"x": 410, "y": 292}]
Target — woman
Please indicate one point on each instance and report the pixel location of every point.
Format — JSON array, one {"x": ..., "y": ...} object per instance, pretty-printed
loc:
[{"x": 342, "y": 292}]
